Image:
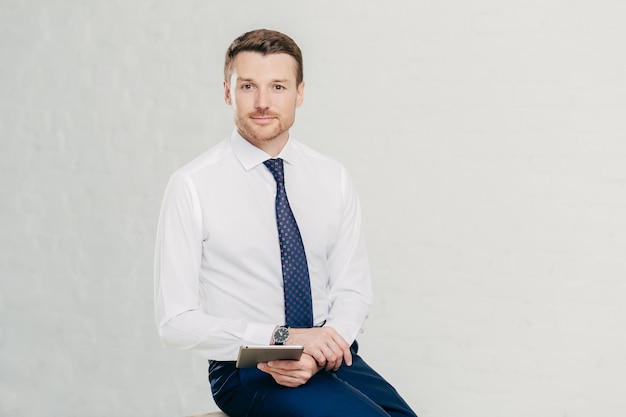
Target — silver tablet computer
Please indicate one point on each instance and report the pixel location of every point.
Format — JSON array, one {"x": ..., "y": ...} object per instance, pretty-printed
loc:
[{"x": 249, "y": 356}]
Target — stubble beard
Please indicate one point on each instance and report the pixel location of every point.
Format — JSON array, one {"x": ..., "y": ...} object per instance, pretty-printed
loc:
[{"x": 258, "y": 133}]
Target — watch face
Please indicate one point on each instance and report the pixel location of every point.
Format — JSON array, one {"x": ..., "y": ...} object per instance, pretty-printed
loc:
[{"x": 281, "y": 335}]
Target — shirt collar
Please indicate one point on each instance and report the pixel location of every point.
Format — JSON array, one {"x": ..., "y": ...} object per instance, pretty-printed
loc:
[{"x": 250, "y": 156}]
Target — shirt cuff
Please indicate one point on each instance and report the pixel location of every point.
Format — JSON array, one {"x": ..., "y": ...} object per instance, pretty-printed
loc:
[{"x": 259, "y": 333}]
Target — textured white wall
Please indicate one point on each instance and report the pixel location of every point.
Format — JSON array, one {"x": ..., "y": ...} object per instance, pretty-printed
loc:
[{"x": 488, "y": 140}]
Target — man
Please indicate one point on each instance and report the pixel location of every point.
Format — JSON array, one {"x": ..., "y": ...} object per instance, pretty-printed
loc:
[{"x": 259, "y": 242}]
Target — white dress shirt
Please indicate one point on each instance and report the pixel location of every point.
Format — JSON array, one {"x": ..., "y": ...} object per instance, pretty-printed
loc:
[{"x": 218, "y": 277}]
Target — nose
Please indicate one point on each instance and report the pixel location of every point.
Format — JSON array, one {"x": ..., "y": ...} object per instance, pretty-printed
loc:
[{"x": 262, "y": 101}]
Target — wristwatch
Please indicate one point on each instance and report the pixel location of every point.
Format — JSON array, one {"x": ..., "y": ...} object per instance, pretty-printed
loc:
[{"x": 281, "y": 335}]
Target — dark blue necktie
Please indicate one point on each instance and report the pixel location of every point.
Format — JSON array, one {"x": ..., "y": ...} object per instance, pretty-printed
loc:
[{"x": 297, "y": 285}]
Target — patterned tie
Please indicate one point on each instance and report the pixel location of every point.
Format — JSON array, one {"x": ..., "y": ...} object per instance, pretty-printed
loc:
[{"x": 297, "y": 286}]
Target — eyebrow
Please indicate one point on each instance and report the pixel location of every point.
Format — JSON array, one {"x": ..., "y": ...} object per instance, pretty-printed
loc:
[{"x": 246, "y": 80}]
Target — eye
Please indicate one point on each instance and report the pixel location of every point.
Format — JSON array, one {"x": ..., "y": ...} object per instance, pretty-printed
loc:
[
  {"x": 279, "y": 87},
  {"x": 246, "y": 86}
]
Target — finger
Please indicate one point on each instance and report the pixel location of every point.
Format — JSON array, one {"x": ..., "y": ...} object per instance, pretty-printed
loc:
[
  {"x": 317, "y": 355},
  {"x": 346, "y": 354},
  {"x": 333, "y": 360},
  {"x": 340, "y": 351},
  {"x": 291, "y": 383},
  {"x": 289, "y": 380},
  {"x": 336, "y": 354}
]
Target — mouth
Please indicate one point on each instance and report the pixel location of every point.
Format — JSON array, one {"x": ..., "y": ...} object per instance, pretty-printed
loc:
[{"x": 262, "y": 119}]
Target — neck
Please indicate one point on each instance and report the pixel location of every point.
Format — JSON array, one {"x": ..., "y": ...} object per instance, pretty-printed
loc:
[{"x": 272, "y": 146}]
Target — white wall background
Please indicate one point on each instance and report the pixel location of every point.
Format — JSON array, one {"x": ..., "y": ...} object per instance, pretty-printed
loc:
[{"x": 487, "y": 138}]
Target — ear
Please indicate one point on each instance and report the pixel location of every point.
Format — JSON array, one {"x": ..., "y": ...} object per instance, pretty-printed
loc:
[
  {"x": 227, "y": 95},
  {"x": 300, "y": 94}
]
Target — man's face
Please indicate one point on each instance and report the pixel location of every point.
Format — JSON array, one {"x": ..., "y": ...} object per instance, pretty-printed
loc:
[{"x": 264, "y": 96}]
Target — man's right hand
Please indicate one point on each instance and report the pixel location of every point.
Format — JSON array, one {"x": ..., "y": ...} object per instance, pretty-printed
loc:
[{"x": 324, "y": 344}]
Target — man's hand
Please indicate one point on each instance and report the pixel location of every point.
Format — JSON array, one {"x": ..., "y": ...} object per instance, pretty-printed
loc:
[
  {"x": 324, "y": 344},
  {"x": 291, "y": 373}
]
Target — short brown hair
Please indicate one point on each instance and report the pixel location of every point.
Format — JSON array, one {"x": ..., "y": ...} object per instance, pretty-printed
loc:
[{"x": 265, "y": 42}]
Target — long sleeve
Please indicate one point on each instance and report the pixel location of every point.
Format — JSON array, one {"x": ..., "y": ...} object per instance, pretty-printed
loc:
[
  {"x": 350, "y": 293},
  {"x": 181, "y": 320}
]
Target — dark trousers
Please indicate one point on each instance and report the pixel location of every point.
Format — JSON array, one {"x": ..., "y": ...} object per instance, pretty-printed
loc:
[{"x": 355, "y": 390}]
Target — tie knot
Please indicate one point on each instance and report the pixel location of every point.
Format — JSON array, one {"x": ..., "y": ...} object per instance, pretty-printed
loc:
[{"x": 276, "y": 168}]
